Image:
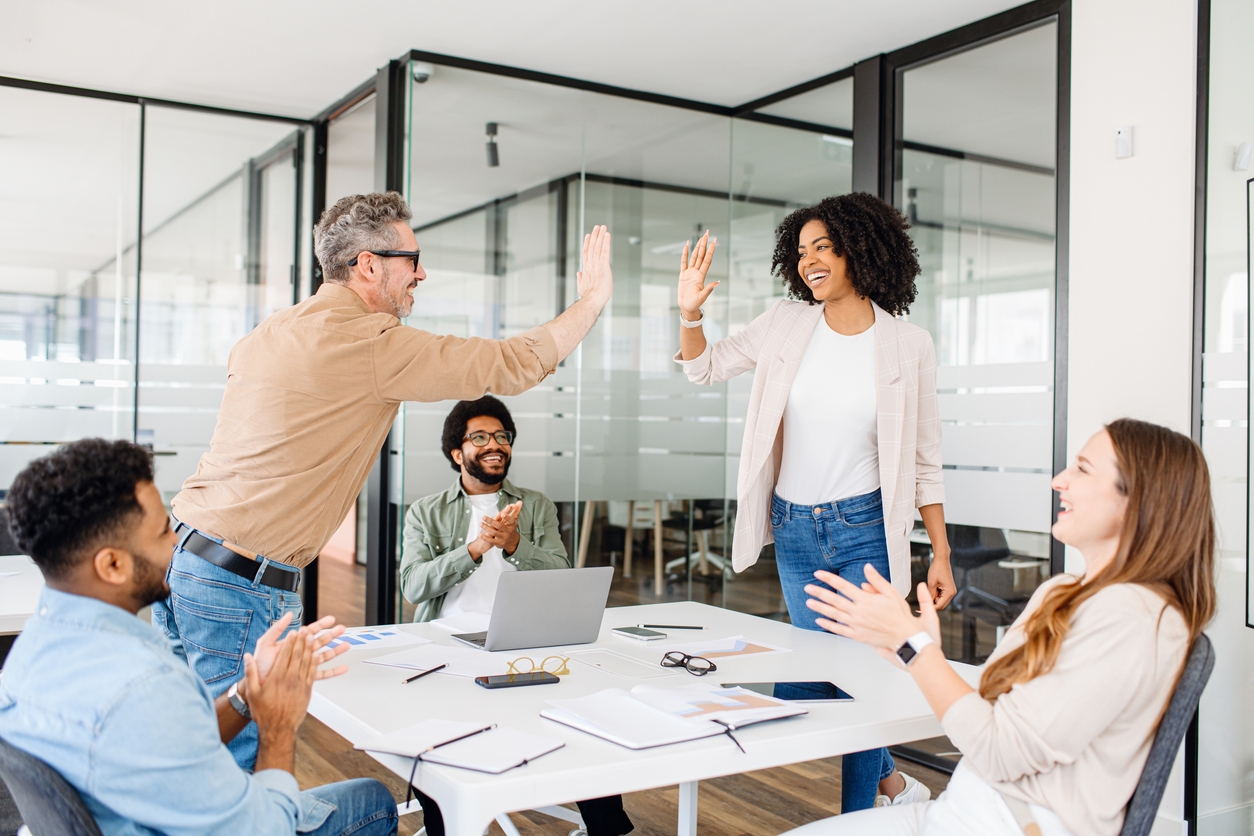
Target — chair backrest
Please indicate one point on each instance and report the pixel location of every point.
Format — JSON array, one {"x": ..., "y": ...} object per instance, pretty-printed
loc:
[
  {"x": 47, "y": 802},
  {"x": 1143, "y": 808}
]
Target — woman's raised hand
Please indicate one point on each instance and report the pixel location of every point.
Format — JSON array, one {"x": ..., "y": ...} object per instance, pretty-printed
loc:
[{"x": 693, "y": 291}]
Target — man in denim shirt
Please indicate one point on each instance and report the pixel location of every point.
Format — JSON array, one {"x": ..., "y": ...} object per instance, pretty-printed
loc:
[{"x": 100, "y": 696}]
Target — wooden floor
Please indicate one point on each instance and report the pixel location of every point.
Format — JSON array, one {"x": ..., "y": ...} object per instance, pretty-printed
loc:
[{"x": 759, "y": 803}]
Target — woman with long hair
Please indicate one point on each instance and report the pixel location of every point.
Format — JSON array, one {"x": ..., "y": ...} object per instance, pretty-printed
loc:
[
  {"x": 1068, "y": 704},
  {"x": 842, "y": 435}
]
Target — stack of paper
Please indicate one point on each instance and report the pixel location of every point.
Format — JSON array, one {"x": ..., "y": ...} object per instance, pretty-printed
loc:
[
  {"x": 475, "y": 746},
  {"x": 649, "y": 716}
]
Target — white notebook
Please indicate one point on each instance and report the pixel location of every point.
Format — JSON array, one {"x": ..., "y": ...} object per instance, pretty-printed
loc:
[{"x": 477, "y": 746}]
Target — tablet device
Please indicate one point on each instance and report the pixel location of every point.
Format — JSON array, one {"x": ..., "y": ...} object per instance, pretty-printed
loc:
[{"x": 796, "y": 691}]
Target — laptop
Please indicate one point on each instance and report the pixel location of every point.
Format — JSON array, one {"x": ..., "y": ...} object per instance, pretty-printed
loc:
[{"x": 544, "y": 608}]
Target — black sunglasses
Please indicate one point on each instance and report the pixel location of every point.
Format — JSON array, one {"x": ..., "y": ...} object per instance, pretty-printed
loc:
[{"x": 412, "y": 255}]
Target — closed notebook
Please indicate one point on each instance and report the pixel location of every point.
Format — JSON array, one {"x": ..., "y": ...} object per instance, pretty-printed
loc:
[{"x": 482, "y": 747}]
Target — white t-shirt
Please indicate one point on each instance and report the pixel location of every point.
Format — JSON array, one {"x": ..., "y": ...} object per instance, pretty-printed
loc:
[
  {"x": 831, "y": 434},
  {"x": 478, "y": 592}
]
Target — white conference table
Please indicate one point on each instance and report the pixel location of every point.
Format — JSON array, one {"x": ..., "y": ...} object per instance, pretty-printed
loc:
[
  {"x": 887, "y": 710},
  {"x": 21, "y": 584}
]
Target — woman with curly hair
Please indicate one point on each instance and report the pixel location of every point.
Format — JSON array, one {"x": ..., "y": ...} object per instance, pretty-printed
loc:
[
  {"x": 842, "y": 437},
  {"x": 1060, "y": 728}
]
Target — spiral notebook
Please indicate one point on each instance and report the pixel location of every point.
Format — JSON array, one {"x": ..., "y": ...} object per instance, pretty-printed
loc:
[{"x": 480, "y": 747}]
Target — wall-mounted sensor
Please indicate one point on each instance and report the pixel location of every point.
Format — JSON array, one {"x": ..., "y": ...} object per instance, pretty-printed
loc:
[
  {"x": 421, "y": 71},
  {"x": 1241, "y": 162},
  {"x": 1123, "y": 142},
  {"x": 494, "y": 155}
]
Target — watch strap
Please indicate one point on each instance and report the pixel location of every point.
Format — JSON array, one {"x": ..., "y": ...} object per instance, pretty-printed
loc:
[
  {"x": 696, "y": 323},
  {"x": 237, "y": 702},
  {"x": 913, "y": 646}
]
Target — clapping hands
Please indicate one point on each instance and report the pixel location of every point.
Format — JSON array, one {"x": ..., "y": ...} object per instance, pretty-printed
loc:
[{"x": 500, "y": 531}]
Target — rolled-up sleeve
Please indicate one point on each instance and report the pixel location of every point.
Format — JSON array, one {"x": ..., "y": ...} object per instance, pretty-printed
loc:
[
  {"x": 159, "y": 761},
  {"x": 929, "y": 489},
  {"x": 424, "y": 573},
  {"x": 730, "y": 356},
  {"x": 414, "y": 365}
]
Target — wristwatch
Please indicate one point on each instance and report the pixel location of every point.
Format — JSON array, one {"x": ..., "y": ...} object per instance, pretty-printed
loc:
[
  {"x": 913, "y": 646},
  {"x": 237, "y": 702},
  {"x": 696, "y": 323}
]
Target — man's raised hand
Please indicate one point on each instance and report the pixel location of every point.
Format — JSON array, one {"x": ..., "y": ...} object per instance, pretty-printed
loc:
[{"x": 595, "y": 280}]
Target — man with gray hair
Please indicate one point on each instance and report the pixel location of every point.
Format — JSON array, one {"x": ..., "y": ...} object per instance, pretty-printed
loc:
[{"x": 310, "y": 396}]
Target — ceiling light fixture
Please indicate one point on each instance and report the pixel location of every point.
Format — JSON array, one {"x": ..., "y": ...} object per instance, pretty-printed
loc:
[{"x": 494, "y": 156}]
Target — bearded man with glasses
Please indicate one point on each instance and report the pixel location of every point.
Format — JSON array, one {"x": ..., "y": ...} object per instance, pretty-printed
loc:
[
  {"x": 310, "y": 396},
  {"x": 460, "y": 541}
]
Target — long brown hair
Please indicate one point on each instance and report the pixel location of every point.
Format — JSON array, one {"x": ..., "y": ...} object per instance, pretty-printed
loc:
[{"x": 1167, "y": 543}]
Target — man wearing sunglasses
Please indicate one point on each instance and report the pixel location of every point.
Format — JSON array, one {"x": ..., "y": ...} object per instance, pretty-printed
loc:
[
  {"x": 460, "y": 541},
  {"x": 310, "y": 396}
]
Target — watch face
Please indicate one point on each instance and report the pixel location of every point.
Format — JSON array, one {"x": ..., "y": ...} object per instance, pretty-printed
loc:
[{"x": 905, "y": 653}]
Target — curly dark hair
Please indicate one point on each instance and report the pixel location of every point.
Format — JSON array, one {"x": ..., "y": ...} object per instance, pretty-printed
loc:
[
  {"x": 881, "y": 260},
  {"x": 455, "y": 423},
  {"x": 66, "y": 506}
]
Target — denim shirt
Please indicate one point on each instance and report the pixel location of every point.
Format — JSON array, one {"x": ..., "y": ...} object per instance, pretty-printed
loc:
[
  {"x": 435, "y": 558},
  {"x": 99, "y": 696}
]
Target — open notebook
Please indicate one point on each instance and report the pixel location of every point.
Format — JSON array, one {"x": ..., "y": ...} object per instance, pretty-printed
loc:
[
  {"x": 481, "y": 747},
  {"x": 648, "y": 716}
]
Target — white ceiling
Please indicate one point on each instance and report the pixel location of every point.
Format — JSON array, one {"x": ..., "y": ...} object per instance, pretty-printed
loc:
[{"x": 295, "y": 57}]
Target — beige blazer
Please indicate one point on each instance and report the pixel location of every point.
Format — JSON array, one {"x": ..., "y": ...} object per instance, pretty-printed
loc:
[{"x": 909, "y": 423}]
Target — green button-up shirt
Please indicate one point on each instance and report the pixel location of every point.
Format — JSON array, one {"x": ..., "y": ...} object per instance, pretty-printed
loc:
[{"x": 435, "y": 558}]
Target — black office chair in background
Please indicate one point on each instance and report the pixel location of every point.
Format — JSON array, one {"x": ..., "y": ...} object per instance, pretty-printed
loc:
[
  {"x": 972, "y": 548},
  {"x": 46, "y": 801}
]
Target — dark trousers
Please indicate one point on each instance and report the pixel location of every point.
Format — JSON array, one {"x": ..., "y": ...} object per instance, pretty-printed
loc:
[{"x": 601, "y": 816}]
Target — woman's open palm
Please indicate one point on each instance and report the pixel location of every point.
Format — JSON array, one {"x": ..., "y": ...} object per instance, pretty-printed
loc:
[{"x": 693, "y": 291}]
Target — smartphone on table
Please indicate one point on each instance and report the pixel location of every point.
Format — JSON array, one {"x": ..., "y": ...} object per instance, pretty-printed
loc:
[
  {"x": 516, "y": 680},
  {"x": 638, "y": 633}
]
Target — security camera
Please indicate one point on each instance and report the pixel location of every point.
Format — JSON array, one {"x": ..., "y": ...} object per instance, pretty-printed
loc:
[{"x": 422, "y": 71}]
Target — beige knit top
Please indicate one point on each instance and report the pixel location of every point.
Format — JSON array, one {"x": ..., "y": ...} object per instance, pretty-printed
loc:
[{"x": 1075, "y": 739}]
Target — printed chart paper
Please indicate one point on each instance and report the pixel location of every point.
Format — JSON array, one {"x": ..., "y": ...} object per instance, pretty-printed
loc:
[
  {"x": 716, "y": 649},
  {"x": 371, "y": 638}
]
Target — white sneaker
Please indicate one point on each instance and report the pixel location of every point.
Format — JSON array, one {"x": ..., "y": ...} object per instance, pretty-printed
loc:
[{"x": 914, "y": 792}]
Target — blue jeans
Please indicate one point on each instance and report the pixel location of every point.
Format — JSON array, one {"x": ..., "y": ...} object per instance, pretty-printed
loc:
[
  {"x": 361, "y": 807},
  {"x": 215, "y": 617},
  {"x": 840, "y": 537}
]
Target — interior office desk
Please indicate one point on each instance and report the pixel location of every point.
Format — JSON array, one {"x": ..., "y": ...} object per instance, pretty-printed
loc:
[
  {"x": 888, "y": 709},
  {"x": 21, "y": 584}
]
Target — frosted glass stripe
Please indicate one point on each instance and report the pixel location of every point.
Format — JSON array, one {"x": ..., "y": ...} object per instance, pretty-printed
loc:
[
  {"x": 1227, "y": 365},
  {"x": 998, "y": 500},
  {"x": 1231, "y": 404},
  {"x": 995, "y": 374},
  {"x": 998, "y": 446},
  {"x": 1014, "y": 407}
]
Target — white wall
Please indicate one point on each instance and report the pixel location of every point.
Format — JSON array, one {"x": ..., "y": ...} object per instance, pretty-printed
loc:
[{"x": 1131, "y": 259}]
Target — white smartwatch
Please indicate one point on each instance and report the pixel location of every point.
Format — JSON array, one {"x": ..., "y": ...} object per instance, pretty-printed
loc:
[
  {"x": 237, "y": 702},
  {"x": 696, "y": 323},
  {"x": 913, "y": 646}
]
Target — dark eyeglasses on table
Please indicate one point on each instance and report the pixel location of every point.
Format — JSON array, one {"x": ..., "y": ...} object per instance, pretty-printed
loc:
[{"x": 695, "y": 665}]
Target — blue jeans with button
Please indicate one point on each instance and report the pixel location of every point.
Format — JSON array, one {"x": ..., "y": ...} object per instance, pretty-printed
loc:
[
  {"x": 213, "y": 617},
  {"x": 840, "y": 537},
  {"x": 360, "y": 807}
]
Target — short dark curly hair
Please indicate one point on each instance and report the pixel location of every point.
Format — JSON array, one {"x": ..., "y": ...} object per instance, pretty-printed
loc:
[
  {"x": 455, "y": 423},
  {"x": 65, "y": 506},
  {"x": 881, "y": 260}
]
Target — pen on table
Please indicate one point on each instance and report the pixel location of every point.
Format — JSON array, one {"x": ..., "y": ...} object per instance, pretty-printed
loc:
[
  {"x": 670, "y": 626},
  {"x": 424, "y": 673}
]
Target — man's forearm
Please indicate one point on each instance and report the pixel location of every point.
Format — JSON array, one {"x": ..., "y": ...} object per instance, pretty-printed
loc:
[
  {"x": 574, "y": 323},
  {"x": 230, "y": 721},
  {"x": 276, "y": 749}
]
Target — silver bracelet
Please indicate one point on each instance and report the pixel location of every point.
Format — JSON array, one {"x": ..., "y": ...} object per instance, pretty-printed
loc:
[{"x": 696, "y": 323}]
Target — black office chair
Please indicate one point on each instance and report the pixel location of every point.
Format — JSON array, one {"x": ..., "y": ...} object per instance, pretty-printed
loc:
[
  {"x": 703, "y": 516},
  {"x": 47, "y": 802},
  {"x": 7, "y": 544},
  {"x": 1143, "y": 808},
  {"x": 971, "y": 548}
]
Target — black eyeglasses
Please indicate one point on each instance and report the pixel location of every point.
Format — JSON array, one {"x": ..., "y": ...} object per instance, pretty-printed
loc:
[
  {"x": 412, "y": 255},
  {"x": 480, "y": 439},
  {"x": 695, "y": 665}
]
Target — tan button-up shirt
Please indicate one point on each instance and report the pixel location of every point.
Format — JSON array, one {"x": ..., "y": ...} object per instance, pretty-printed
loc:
[{"x": 310, "y": 396}]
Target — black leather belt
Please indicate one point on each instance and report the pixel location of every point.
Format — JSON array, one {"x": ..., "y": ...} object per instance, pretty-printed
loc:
[{"x": 235, "y": 563}]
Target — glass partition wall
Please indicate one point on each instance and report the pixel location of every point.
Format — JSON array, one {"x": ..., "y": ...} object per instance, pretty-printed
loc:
[
  {"x": 223, "y": 205},
  {"x": 977, "y": 182},
  {"x": 641, "y": 463}
]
